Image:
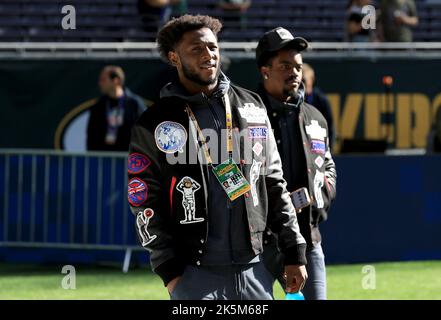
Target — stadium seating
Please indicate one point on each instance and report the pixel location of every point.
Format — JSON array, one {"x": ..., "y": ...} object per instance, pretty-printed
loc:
[{"x": 119, "y": 20}]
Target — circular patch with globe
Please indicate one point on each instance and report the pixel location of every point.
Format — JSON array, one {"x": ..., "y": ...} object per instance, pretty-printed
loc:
[{"x": 170, "y": 137}]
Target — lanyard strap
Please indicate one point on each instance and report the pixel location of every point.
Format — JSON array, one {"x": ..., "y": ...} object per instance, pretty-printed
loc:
[
  {"x": 117, "y": 112},
  {"x": 229, "y": 123}
]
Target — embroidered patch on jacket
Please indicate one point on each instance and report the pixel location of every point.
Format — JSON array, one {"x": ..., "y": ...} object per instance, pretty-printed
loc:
[
  {"x": 257, "y": 148},
  {"x": 319, "y": 161},
  {"x": 137, "y": 163},
  {"x": 254, "y": 177},
  {"x": 318, "y": 147},
  {"x": 252, "y": 114},
  {"x": 257, "y": 132},
  {"x": 142, "y": 222},
  {"x": 315, "y": 131},
  {"x": 188, "y": 186},
  {"x": 170, "y": 137},
  {"x": 137, "y": 192},
  {"x": 319, "y": 180}
]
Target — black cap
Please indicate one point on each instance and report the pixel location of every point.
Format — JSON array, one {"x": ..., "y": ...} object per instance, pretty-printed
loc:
[{"x": 277, "y": 39}]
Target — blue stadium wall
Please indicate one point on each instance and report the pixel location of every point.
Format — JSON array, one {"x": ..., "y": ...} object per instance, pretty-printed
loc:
[{"x": 387, "y": 209}]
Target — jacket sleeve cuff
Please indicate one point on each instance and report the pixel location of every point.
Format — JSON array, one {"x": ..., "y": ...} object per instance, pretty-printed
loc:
[
  {"x": 170, "y": 269},
  {"x": 295, "y": 255}
]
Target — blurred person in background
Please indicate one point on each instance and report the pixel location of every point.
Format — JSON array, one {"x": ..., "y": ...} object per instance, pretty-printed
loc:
[
  {"x": 225, "y": 64},
  {"x": 235, "y": 11},
  {"x": 397, "y": 17},
  {"x": 302, "y": 138},
  {"x": 354, "y": 17},
  {"x": 112, "y": 117},
  {"x": 156, "y": 13},
  {"x": 437, "y": 144},
  {"x": 315, "y": 97},
  {"x": 235, "y": 5},
  {"x": 434, "y": 136}
]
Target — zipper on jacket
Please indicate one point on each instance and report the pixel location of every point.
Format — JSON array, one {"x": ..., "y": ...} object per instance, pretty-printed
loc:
[{"x": 215, "y": 116}]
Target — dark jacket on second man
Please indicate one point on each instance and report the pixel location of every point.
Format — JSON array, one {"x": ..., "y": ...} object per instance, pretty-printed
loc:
[
  {"x": 319, "y": 100},
  {"x": 299, "y": 127}
]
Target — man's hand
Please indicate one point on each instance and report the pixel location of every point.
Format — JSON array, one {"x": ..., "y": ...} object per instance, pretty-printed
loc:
[
  {"x": 295, "y": 276},
  {"x": 171, "y": 285}
]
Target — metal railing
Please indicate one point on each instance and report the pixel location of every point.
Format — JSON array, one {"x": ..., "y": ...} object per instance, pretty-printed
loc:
[
  {"x": 234, "y": 49},
  {"x": 55, "y": 199}
]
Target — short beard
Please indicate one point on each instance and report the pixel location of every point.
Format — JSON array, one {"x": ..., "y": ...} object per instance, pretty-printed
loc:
[
  {"x": 290, "y": 93},
  {"x": 194, "y": 77}
]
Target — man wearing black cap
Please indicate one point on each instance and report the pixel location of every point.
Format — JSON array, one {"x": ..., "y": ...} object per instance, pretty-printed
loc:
[{"x": 302, "y": 138}]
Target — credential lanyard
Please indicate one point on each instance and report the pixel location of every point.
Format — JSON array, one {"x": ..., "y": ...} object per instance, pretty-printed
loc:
[{"x": 229, "y": 122}]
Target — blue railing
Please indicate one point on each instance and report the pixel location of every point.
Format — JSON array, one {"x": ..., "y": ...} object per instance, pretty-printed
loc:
[{"x": 65, "y": 200}]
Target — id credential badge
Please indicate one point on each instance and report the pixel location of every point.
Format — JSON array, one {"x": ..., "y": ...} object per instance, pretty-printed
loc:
[
  {"x": 231, "y": 179},
  {"x": 227, "y": 173}
]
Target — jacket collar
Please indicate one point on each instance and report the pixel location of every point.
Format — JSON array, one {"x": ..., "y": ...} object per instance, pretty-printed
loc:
[
  {"x": 294, "y": 104},
  {"x": 175, "y": 89}
]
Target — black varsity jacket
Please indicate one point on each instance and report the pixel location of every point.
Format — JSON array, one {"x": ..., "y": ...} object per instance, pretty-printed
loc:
[{"x": 167, "y": 187}]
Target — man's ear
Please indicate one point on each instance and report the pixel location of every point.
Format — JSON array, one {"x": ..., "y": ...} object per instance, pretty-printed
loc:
[
  {"x": 173, "y": 58},
  {"x": 264, "y": 71}
]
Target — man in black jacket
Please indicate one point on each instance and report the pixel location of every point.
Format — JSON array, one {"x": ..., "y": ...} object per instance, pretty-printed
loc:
[
  {"x": 302, "y": 137},
  {"x": 114, "y": 114},
  {"x": 205, "y": 178}
]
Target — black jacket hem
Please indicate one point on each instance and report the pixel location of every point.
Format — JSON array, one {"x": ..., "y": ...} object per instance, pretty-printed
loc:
[{"x": 170, "y": 269}]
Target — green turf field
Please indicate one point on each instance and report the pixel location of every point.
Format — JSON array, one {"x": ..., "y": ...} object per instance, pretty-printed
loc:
[{"x": 403, "y": 280}]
